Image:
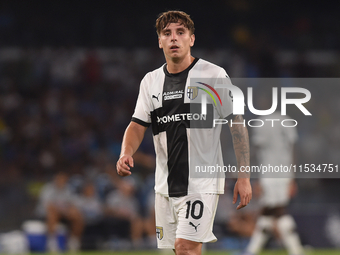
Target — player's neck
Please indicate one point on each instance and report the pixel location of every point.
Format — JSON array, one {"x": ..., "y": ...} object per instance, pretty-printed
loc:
[{"x": 179, "y": 65}]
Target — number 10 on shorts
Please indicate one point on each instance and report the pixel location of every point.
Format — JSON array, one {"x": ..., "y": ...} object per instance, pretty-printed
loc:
[{"x": 193, "y": 210}]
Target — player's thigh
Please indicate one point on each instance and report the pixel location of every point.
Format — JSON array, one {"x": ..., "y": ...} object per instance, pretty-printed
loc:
[
  {"x": 166, "y": 222},
  {"x": 196, "y": 213}
]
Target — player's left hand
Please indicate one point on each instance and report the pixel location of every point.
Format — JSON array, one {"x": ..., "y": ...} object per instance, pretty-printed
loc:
[{"x": 242, "y": 187}]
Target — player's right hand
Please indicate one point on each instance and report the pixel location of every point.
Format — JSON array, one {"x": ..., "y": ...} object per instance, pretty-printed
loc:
[{"x": 124, "y": 165}]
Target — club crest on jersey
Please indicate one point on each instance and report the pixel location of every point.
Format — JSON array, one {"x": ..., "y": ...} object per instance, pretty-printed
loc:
[
  {"x": 192, "y": 92},
  {"x": 159, "y": 232}
]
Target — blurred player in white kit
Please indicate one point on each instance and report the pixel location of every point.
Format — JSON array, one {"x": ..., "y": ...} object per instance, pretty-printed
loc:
[{"x": 275, "y": 147}]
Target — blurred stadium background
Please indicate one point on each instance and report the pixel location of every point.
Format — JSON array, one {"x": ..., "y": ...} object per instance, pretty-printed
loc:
[{"x": 69, "y": 78}]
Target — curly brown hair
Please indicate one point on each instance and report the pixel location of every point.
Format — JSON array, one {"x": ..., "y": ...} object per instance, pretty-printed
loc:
[{"x": 165, "y": 18}]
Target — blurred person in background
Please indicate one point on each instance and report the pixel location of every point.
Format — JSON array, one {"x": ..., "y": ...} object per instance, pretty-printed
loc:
[
  {"x": 91, "y": 208},
  {"x": 57, "y": 205},
  {"x": 89, "y": 204},
  {"x": 122, "y": 212},
  {"x": 275, "y": 147}
]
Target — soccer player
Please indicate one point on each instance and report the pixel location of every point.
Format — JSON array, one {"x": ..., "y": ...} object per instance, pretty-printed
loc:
[
  {"x": 275, "y": 147},
  {"x": 185, "y": 206}
]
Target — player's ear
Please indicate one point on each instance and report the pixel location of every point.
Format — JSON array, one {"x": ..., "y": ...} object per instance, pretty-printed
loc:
[
  {"x": 192, "y": 40},
  {"x": 160, "y": 43}
]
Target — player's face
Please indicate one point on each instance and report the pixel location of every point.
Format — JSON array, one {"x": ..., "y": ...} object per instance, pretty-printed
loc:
[{"x": 176, "y": 41}]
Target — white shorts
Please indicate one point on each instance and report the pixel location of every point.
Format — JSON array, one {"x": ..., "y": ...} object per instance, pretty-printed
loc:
[
  {"x": 275, "y": 192},
  {"x": 189, "y": 217}
]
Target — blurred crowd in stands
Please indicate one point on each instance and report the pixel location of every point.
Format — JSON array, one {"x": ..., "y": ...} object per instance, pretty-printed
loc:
[
  {"x": 66, "y": 110},
  {"x": 92, "y": 216},
  {"x": 223, "y": 23}
]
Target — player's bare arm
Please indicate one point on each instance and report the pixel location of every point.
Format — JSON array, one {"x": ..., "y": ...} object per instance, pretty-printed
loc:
[
  {"x": 240, "y": 138},
  {"x": 133, "y": 137}
]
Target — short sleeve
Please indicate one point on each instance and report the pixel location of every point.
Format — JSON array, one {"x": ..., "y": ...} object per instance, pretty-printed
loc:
[
  {"x": 142, "y": 114},
  {"x": 225, "y": 106}
]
